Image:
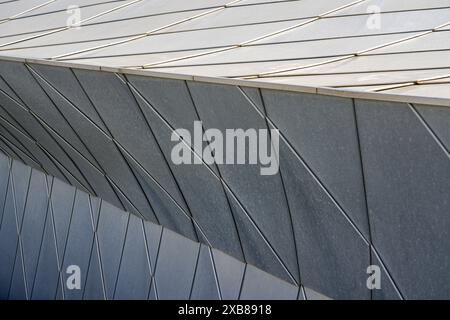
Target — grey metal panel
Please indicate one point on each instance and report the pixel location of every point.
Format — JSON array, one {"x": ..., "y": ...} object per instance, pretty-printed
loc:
[
  {"x": 133, "y": 281},
  {"x": 78, "y": 244},
  {"x": 254, "y": 95},
  {"x": 153, "y": 233},
  {"x": 112, "y": 226},
  {"x": 20, "y": 79},
  {"x": 438, "y": 118},
  {"x": 301, "y": 294},
  {"x": 17, "y": 290},
  {"x": 156, "y": 100},
  {"x": 259, "y": 285},
  {"x": 230, "y": 273},
  {"x": 64, "y": 82},
  {"x": 95, "y": 205},
  {"x": 33, "y": 225},
  {"x": 87, "y": 131},
  {"x": 38, "y": 133},
  {"x": 174, "y": 280},
  {"x": 314, "y": 295},
  {"x": 118, "y": 109},
  {"x": 368, "y": 63},
  {"x": 388, "y": 291},
  {"x": 8, "y": 151},
  {"x": 211, "y": 210},
  {"x": 205, "y": 286},
  {"x": 21, "y": 141},
  {"x": 10, "y": 148},
  {"x": 407, "y": 183},
  {"x": 46, "y": 280},
  {"x": 61, "y": 202},
  {"x": 8, "y": 243},
  {"x": 224, "y": 107},
  {"x": 152, "y": 294},
  {"x": 323, "y": 132},
  {"x": 255, "y": 247},
  {"x": 58, "y": 100},
  {"x": 5, "y": 163},
  {"x": 94, "y": 289},
  {"x": 169, "y": 213},
  {"x": 333, "y": 256},
  {"x": 21, "y": 175}
]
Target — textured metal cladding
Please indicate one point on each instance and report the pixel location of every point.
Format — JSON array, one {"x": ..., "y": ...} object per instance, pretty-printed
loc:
[
  {"x": 121, "y": 256},
  {"x": 360, "y": 182}
]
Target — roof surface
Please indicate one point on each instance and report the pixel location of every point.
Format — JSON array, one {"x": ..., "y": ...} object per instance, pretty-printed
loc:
[{"x": 399, "y": 47}]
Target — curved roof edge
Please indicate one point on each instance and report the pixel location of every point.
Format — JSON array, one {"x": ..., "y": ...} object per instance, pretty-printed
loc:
[{"x": 246, "y": 83}]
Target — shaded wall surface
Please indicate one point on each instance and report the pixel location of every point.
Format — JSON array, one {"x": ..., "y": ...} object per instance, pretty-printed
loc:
[
  {"x": 360, "y": 182},
  {"x": 47, "y": 226}
]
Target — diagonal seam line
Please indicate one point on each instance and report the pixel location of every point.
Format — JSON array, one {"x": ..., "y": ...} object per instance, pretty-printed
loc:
[
  {"x": 391, "y": 279},
  {"x": 16, "y": 151},
  {"x": 61, "y": 280},
  {"x": 121, "y": 256},
  {"x": 5, "y": 123},
  {"x": 125, "y": 82},
  {"x": 363, "y": 177},
  {"x": 281, "y": 177},
  {"x": 225, "y": 185},
  {"x": 26, "y": 11},
  {"x": 313, "y": 175},
  {"x": 118, "y": 145},
  {"x": 197, "y": 114},
  {"x": 19, "y": 225},
  {"x": 143, "y": 35},
  {"x": 334, "y": 201},
  {"x": 44, "y": 229},
  {"x": 43, "y": 149},
  {"x": 37, "y": 118},
  {"x": 429, "y": 130},
  {"x": 147, "y": 256},
  {"x": 362, "y": 52},
  {"x": 318, "y": 17},
  {"x": 6, "y": 192},
  {"x": 69, "y": 27},
  {"x": 195, "y": 271}
]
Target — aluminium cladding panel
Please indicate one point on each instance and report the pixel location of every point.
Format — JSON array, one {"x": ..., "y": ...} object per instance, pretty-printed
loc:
[
  {"x": 438, "y": 120},
  {"x": 167, "y": 106},
  {"x": 257, "y": 282},
  {"x": 261, "y": 196},
  {"x": 205, "y": 285},
  {"x": 184, "y": 269},
  {"x": 33, "y": 225},
  {"x": 322, "y": 131},
  {"x": 5, "y": 164},
  {"x": 173, "y": 279},
  {"x": 133, "y": 139},
  {"x": 230, "y": 273},
  {"x": 111, "y": 232},
  {"x": 407, "y": 182},
  {"x": 8, "y": 240},
  {"x": 324, "y": 191},
  {"x": 134, "y": 277}
]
